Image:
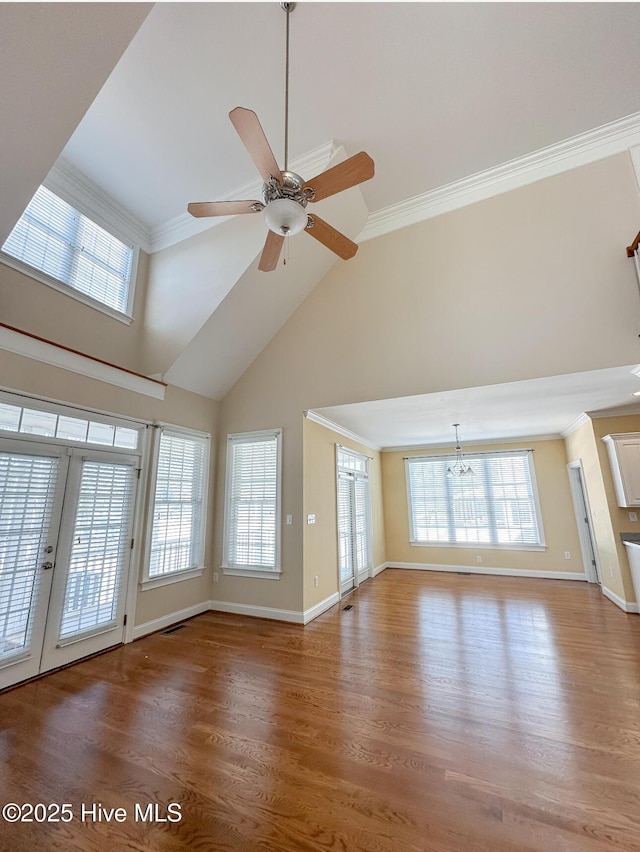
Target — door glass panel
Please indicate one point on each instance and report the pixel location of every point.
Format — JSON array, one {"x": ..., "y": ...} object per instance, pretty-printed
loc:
[
  {"x": 100, "y": 547},
  {"x": 27, "y": 487},
  {"x": 361, "y": 524},
  {"x": 345, "y": 526}
]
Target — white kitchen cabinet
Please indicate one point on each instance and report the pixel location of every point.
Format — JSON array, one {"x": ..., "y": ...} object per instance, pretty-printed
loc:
[{"x": 624, "y": 457}]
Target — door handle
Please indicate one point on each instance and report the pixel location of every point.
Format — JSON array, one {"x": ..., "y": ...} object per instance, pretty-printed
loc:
[
  {"x": 48, "y": 549},
  {"x": 47, "y": 565}
]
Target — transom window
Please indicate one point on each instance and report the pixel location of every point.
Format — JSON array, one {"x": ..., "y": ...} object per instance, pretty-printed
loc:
[
  {"x": 57, "y": 240},
  {"x": 496, "y": 507},
  {"x": 55, "y": 422}
]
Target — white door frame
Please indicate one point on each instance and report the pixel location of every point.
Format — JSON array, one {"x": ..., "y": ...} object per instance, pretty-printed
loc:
[{"x": 584, "y": 521}]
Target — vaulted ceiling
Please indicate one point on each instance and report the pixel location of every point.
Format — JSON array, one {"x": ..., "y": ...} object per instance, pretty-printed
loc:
[{"x": 434, "y": 92}]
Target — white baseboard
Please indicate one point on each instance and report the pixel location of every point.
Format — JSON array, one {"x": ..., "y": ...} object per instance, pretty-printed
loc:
[
  {"x": 625, "y": 606},
  {"x": 485, "y": 569},
  {"x": 290, "y": 615},
  {"x": 309, "y": 614},
  {"x": 172, "y": 618},
  {"x": 379, "y": 569}
]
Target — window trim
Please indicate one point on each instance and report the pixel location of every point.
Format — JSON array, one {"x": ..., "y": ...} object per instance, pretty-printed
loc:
[
  {"x": 253, "y": 571},
  {"x": 147, "y": 581},
  {"x": 56, "y": 186},
  {"x": 479, "y": 545}
]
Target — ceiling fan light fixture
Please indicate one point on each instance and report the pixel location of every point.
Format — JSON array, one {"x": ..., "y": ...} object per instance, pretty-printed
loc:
[{"x": 285, "y": 217}]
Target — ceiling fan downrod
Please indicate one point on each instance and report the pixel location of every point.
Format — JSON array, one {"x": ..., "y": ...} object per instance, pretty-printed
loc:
[{"x": 288, "y": 9}]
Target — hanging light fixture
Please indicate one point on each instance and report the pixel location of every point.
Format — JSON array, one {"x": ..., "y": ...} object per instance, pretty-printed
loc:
[{"x": 459, "y": 467}]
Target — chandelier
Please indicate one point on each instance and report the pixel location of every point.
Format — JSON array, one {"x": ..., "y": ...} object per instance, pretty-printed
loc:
[{"x": 458, "y": 468}]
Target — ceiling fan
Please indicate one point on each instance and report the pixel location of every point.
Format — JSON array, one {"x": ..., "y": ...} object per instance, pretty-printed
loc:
[{"x": 285, "y": 194}]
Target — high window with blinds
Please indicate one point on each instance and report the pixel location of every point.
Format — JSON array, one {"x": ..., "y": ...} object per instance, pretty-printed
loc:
[
  {"x": 252, "y": 505},
  {"x": 496, "y": 507},
  {"x": 58, "y": 241},
  {"x": 179, "y": 504}
]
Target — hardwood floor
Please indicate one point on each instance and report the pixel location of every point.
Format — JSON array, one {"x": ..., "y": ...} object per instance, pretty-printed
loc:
[{"x": 442, "y": 713}]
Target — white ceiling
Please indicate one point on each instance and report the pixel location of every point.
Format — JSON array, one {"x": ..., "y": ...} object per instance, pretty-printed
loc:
[
  {"x": 433, "y": 91},
  {"x": 537, "y": 407}
]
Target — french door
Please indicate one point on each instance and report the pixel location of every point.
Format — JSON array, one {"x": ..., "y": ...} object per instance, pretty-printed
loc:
[
  {"x": 354, "y": 535},
  {"x": 66, "y": 519}
]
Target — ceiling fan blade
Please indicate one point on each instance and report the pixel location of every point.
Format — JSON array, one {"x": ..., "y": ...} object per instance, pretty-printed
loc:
[
  {"x": 271, "y": 252},
  {"x": 353, "y": 171},
  {"x": 250, "y": 131},
  {"x": 200, "y": 209},
  {"x": 332, "y": 239}
]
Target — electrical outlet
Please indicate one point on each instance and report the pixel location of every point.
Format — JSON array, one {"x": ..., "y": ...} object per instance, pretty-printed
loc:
[
  {"x": 478, "y": 559},
  {"x": 567, "y": 554},
  {"x": 311, "y": 519},
  {"x": 315, "y": 581},
  {"x": 289, "y": 520},
  {"x": 633, "y": 517},
  {"x": 215, "y": 576}
]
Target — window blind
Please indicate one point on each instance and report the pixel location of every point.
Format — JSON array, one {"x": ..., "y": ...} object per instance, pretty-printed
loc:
[
  {"x": 56, "y": 239},
  {"x": 252, "y": 506},
  {"x": 178, "y": 514},
  {"x": 497, "y": 506},
  {"x": 101, "y": 544},
  {"x": 27, "y": 488}
]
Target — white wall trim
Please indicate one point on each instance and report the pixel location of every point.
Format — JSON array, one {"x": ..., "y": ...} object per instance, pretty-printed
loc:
[
  {"x": 170, "y": 619},
  {"x": 625, "y": 606},
  {"x": 379, "y": 569},
  {"x": 340, "y": 430},
  {"x": 604, "y": 141},
  {"x": 290, "y": 615},
  {"x": 576, "y": 424},
  {"x": 57, "y": 356},
  {"x": 485, "y": 569},
  {"x": 309, "y": 614},
  {"x": 184, "y": 226},
  {"x": 76, "y": 189}
]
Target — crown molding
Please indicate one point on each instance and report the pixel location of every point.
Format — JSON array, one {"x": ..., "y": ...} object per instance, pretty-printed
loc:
[
  {"x": 340, "y": 430},
  {"x": 616, "y": 411},
  {"x": 604, "y": 141},
  {"x": 76, "y": 189},
  {"x": 184, "y": 226},
  {"x": 575, "y": 424}
]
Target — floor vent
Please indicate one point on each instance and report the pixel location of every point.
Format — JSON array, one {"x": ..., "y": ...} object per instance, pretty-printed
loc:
[
  {"x": 465, "y": 573},
  {"x": 348, "y": 606},
  {"x": 173, "y": 629}
]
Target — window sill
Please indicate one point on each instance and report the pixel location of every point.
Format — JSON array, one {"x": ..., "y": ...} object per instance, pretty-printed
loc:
[
  {"x": 478, "y": 545},
  {"x": 61, "y": 287},
  {"x": 169, "y": 579},
  {"x": 252, "y": 573}
]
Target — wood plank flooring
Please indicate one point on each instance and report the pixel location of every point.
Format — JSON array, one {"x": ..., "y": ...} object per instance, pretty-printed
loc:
[{"x": 442, "y": 713}]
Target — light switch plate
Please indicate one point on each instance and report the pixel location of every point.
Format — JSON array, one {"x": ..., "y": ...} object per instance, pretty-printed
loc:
[{"x": 311, "y": 519}]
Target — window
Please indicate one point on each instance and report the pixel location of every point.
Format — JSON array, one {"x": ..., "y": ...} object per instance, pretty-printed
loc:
[
  {"x": 252, "y": 505},
  {"x": 176, "y": 549},
  {"x": 57, "y": 240},
  {"x": 50, "y": 421},
  {"x": 496, "y": 507}
]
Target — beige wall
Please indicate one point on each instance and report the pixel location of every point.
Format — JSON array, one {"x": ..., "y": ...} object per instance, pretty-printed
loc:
[
  {"x": 609, "y": 520},
  {"x": 179, "y": 407},
  {"x": 558, "y": 516},
  {"x": 35, "y": 307},
  {"x": 531, "y": 283},
  {"x": 320, "y": 539}
]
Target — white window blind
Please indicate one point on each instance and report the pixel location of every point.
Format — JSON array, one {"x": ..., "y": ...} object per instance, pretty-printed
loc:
[
  {"x": 59, "y": 241},
  {"x": 177, "y": 539},
  {"x": 252, "y": 512},
  {"x": 100, "y": 548},
  {"x": 27, "y": 487},
  {"x": 497, "y": 506}
]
